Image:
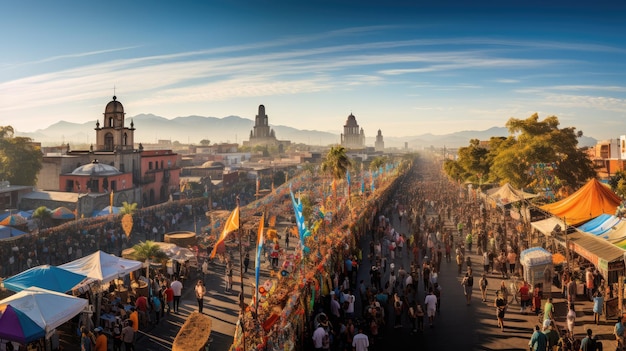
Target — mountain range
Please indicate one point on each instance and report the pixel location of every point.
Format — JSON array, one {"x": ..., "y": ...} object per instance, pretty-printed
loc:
[{"x": 150, "y": 128}]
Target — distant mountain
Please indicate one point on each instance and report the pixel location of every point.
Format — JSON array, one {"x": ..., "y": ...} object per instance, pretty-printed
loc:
[{"x": 191, "y": 129}]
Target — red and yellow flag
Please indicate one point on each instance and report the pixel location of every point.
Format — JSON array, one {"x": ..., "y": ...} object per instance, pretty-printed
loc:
[{"x": 232, "y": 224}]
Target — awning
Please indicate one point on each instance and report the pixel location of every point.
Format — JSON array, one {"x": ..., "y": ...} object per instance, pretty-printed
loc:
[
  {"x": 595, "y": 250},
  {"x": 546, "y": 226}
]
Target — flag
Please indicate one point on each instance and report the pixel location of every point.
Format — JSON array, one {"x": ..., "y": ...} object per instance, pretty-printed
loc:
[
  {"x": 258, "y": 184},
  {"x": 297, "y": 209},
  {"x": 111, "y": 201},
  {"x": 257, "y": 263},
  {"x": 232, "y": 224}
]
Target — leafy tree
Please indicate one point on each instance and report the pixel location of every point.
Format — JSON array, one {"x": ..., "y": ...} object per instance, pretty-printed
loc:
[
  {"x": 42, "y": 214},
  {"x": 531, "y": 142},
  {"x": 618, "y": 183},
  {"x": 20, "y": 158},
  {"x": 205, "y": 142},
  {"x": 377, "y": 162}
]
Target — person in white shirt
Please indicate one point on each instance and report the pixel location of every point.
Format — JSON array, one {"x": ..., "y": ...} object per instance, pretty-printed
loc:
[
  {"x": 350, "y": 299},
  {"x": 431, "y": 306},
  {"x": 177, "y": 288},
  {"x": 360, "y": 342}
]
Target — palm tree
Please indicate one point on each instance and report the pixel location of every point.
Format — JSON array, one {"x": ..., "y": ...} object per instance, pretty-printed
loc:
[
  {"x": 336, "y": 164},
  {"x": 128, "y": 208},
  {"x": 42, "y": 214},
  {"x": 149, "y": 250}
]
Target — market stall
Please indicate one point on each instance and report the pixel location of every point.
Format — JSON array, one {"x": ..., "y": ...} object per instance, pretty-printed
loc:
[{"x": 537, "y": 264}]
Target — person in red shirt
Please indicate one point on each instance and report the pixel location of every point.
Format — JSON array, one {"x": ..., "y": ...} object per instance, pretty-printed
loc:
[
  {"x": 142, "y": 307},
  {"x": 525, "y": 298},
  {"x": 169, "y": 297}
]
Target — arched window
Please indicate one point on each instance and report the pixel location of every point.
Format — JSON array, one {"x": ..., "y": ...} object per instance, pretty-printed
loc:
[
  {"x": 125, "y": 141},
  {"x": 110, "y": 121},
  {"x": 108, "y": 142}
]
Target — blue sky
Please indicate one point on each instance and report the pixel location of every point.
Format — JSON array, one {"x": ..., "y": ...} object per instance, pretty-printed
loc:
[{"x": 407, "y": 68}]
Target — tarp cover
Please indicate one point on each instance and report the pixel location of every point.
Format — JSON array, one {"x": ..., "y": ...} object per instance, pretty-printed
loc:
[
  {"x": 45, "y": 276},
  {"x": 47, "y": 308},
  {"x": 9, "y": 232},
  {"x": 535, "y": 256},
  {"x": 590, "y": 201},
  {"x": 506, "y": 194},
  {"x": 546, "y": 226},
  {"x": 599, "y": 225},
  {"x": 17, "y": 326},
  {"x": 102, "y": 266}
]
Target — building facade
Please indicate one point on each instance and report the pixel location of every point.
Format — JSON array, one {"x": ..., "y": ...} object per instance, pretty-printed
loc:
[
  {"x": 379, "y": 145},
  {"x": 113, "y": 164},
  {"x": 262, "y": 134},
  {"x": 352, "y": 137}
]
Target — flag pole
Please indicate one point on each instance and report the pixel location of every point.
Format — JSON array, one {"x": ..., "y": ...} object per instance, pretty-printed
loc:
[{"x": 241, "y": 299}]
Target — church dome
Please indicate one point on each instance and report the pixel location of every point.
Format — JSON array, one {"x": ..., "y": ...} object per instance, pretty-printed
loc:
[
  {"x": 114, "y": 106},
  {"x": 351, "y": 121},
  {"x": 96, "y": 169}
]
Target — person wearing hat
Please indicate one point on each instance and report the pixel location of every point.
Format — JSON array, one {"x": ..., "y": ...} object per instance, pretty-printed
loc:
[{"x": 101, "y": 340}]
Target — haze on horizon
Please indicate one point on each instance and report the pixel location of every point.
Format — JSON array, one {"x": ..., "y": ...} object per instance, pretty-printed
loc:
[{"x": 406, "y": 68}]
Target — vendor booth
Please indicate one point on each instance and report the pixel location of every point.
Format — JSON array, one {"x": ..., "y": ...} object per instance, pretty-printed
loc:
[{"x": 537, "y": 264}]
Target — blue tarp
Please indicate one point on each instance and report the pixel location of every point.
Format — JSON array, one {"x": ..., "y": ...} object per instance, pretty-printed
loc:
[
  {"x": 106, "y": 211},
  {"x": 599, "y": 225},
  {"x": 9, "y": 232},
  {"x": 45, "y": 277}
]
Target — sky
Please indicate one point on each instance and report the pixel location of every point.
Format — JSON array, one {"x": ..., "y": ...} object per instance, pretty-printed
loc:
[{"x": 404, "y": 67}]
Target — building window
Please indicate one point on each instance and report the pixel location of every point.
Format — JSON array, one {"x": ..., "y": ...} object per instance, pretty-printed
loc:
[
  {"x": 122, "y": 167},
  {"x": 113, "y": 185},
  {"x": 150, "y": 165},
  {"x": 108, "y": 142},
  {"x": 161, "y": 164}
]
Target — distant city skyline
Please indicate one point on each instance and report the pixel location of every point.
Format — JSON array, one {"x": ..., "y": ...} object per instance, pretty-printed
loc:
[{"x": 406, "y": 68}]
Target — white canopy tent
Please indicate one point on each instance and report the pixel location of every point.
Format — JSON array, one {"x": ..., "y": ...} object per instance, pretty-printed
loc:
[
  {"x": 49, "y": 309},
  {"x": 102, "y": 266}
]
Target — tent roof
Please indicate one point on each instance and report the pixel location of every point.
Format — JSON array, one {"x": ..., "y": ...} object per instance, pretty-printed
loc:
[
  {"x": 47, "y": 308},
  {"x": 506, "y": 194},
  {"x": 17, "y": 326},
  {"x": 9, "y": 232},
  {"x": 102, "y": 266},
  {"x": 546, "y": 226},
  {"x": 596, "y": 246},
  {"x": 588, "y": 202},
  {"x": 599, "y": 225},
  {"x": 45, "y": 276}
]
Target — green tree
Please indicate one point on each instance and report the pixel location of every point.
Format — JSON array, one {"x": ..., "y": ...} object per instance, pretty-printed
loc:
[
  {"x": 377, "y": 162},
  {"x": 149, "y": 250},
  {"x": 618, "y": 183},
  {"x": 42, "y": 214},
  {"x": 336, "y": 164},
  {"x": 530, "y": 142},
  {"x": 128, "y": 208},
  {"x": 20, "y": 158},
  {"x": 205, "y": 142}
]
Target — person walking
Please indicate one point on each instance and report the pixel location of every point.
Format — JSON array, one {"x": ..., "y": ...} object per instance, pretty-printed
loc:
[
  {"x": 571, "y": 320},
  {"x": 468, "y": 284},
  {"x": 548, "y": 310},
  {"x": 177, "y": 289},
  {"x": 360, "y": 342},
  {"x": 200, "y": 291},
  {"x": 228, "y": 276},
  {"x": 168, "y": 296},
  {"x": 500, "y": 304},
  {"x": 431, "y": 306},
  {"x": 482, "y": 283},
  {"x": 598, "y": 304},
  {"x": 101, "y": 340},
  {"x": 539, "y": 341},
  {"x": 128, "y": 336},
  {"x": 246, "y": 262}
]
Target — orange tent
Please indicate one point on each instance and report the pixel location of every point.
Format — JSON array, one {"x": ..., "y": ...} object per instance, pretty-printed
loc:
[{"x": 590, "y": 201}]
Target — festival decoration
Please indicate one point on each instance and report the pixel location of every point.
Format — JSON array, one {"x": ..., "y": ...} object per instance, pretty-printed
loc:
[{"x": 127, "y": 224}]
